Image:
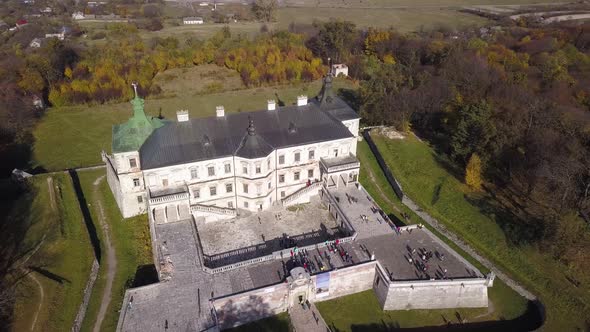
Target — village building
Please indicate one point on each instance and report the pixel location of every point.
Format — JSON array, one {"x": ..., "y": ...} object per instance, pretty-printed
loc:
[
  {"x": 339, "y": 69},
  {"x": 35, "y": 43},
  {"x": 192, "y": 20},
  {"x": 227, "y": 246},
  {"x": 78, "y": 15}
]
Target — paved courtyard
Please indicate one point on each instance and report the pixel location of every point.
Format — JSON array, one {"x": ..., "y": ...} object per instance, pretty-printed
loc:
[
  {"x": 394, "y": 252},
  {"x": 269, "y": 230}
]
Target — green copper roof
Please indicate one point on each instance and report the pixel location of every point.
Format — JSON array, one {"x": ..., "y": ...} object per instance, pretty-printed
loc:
[{"x": 129, "y": 136}]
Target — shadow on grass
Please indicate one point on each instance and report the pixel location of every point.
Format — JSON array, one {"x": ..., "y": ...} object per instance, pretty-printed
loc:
[
  {"x": 50, "y": 275},
  {"x": 532, "y": 319},
  {"x": 94, "y": 240}
]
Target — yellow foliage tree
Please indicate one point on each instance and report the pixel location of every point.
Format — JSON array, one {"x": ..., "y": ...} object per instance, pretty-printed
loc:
[{"x": 473, "y": 172}]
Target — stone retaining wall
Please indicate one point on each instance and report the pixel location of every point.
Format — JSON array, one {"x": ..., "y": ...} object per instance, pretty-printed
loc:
[{"x": 86, "y": 299}]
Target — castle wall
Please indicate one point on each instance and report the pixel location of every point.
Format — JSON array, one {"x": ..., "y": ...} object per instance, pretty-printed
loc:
[
  {"x": 346, "y": 281},
  {"x": 239, "y": 309},
  {"x": 437, "y": 294}
]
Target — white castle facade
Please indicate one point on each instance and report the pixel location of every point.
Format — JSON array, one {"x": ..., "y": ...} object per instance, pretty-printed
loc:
[{"x": 214, "y": 166}]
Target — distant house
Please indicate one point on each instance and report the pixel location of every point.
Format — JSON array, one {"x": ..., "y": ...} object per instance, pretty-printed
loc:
[
  {"x": 78, "y": 15},
  {"x": 38, "y": 102},
  {"x": 47, "y": 10},
  {"x": 21, "y": 22},
  {"x": 192, "y": 20},
  {"x": 339, "y": 69},
  {"x": 60, "y": 36},
  {"x": 35, "y": 43}
]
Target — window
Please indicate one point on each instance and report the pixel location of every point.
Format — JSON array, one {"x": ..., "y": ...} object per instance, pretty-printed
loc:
[
  {"x": 311, "y": 154},
  {"x": 136, "y": 182},
  {"x": 230, "y": 205},
  {"x": 245, "y": 204},
  {"x": 269, "y": 184},
  {"x": 335, "y": 152},
  {"x": 244, "y": 168},
  {"x": 282, "y": 194},
  {"x": 310, "y": 173},
  {"x": 281, "y": 178},
  {"x": 229, "y": 188},
  {"x": 296, "y": 176},
  {"x": 258, "y": 189},
  {"x": 281, "y": 159},
  {"x": 165, "y": 182},
  {"x": 196, "y": 193},
  {"x": 297, "y": 157},
  {"x": 268, "y": 164},
  {"x": 132, "y": 162},
  {"x": 194, "y": 173},
  {"x": 213, "y": 190},
  {"x": 245, "y": 187},
  {"x": 258, "y": 170},
  {"x": 211, "y": 170},
  {"x": 139, "y": 199},
  {"x": 227, "y": 168}
]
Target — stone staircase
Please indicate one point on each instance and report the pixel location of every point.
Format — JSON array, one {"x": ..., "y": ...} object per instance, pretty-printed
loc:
[
  {"x": 213, "y": 209},
  {"x": 291, "y": 199}
]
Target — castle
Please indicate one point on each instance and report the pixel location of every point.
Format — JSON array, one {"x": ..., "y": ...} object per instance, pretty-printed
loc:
[{"x": 253, "y": 213}]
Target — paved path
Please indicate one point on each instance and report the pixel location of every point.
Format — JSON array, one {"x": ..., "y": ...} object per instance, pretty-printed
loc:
[
  {"x": 111, "y": 263},
  {"x": 308, "y": 320}
]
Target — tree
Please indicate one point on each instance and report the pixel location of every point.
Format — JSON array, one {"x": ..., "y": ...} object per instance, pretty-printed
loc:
[
  {"x": 473, "y": 172},
  {"x": 31, "y": 81},
  {"x": 472, "y": 131},
  {"x": 264, "y": 10},
  {"x": 334, "y": 40}
]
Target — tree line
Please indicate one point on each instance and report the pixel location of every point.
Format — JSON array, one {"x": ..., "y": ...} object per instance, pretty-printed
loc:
[{"x": 509, "y": 108}]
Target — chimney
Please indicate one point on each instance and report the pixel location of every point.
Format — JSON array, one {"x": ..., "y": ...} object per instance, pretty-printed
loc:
[
  {"x": 301, "y": 100},
  {"x": 220, "y": 111},
  {"x": 272, "y": 105},
  {"x": 182, "y": 116}
]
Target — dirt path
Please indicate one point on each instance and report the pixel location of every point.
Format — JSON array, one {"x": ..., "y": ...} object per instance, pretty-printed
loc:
[
  {"x": 52, "y": 202},
  {"x": 381, "y": 192},
  {"x": 111, "y": 259},
  {"x": 41, "y": 298}
]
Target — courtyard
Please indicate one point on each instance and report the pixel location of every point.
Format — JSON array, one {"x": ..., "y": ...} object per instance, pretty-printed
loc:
[{"x": 270, "y": 230}]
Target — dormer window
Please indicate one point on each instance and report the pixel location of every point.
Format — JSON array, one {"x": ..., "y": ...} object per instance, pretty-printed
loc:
[
  {"x": 292, "y": 128},
  {"x": 206, "y": 140},
  {"x": 132, "y": 162}
]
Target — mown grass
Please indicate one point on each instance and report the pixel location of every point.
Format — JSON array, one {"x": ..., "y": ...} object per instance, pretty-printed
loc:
[
  {"x": 401, "y": 19},
  {"x": 64, "y": 259},
  {"x": 278, "y": 323},
  {"x": 423, "y": 175},
  {"x": 74, "y": 136},
  {"x": 131, "y": 240}
]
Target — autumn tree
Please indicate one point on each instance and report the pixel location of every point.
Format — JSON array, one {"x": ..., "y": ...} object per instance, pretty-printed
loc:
[
  {"x": 473, "y": 172},
  {"x": 264, "y": 10}
]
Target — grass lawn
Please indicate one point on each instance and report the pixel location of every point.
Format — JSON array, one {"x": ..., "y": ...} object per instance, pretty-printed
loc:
[
  {"x": 74, "y": 136},
  {"x": 201, "y": 79},
  {"x": 278, "y": 323},
  {"x": 131, "y": 240},
  {"x": 62, "y": 263},
  {"x": 425, "y": 180},
  {"x": 403, "y": 20},
  {"x": 506, "y": 302}
]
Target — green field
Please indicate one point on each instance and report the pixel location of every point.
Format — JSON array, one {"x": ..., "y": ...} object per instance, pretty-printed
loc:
[
  {"x": 423, "y": 175},
  {"x": 362, "y": 312},
  {"x": 408, "y": 3},
  {"x": 403, "y": 20},
  {"x": 131, "y": 239},
  {"x": 74, "y": 136},
  {"x": 63, "y": 261}
]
